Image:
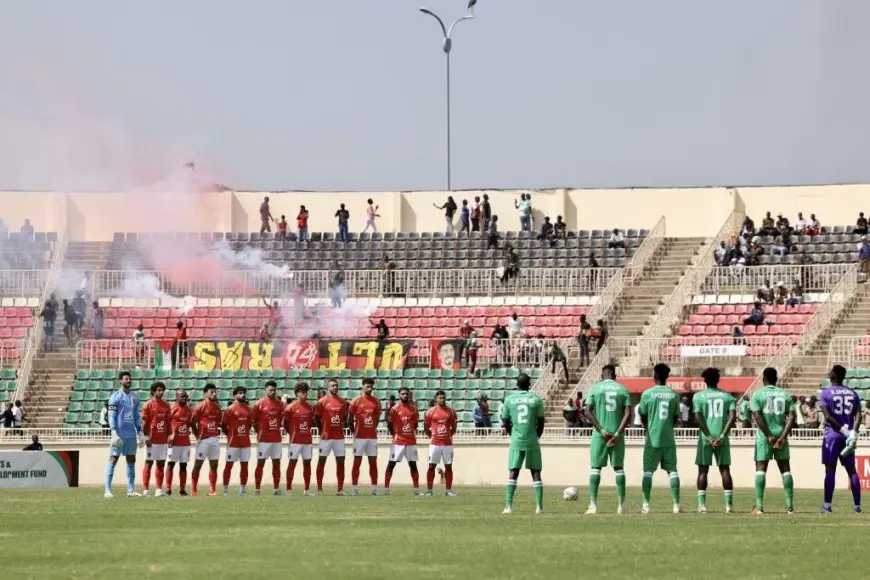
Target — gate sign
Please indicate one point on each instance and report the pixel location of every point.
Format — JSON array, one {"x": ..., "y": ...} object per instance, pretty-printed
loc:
[
  {"x": 39, "y": 469},
  {"x": 862, "y": 465}
]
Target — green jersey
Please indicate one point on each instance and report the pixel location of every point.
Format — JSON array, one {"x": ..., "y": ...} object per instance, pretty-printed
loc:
[
  {"x": 610, "y": 400},
  {"x": 774, "y": 404},
  {"x": 743, "y": 414},
  {"x": 713, "y": 405},
  {"x": 660, "y": 406},
  {"x": 525, "y": 410}
]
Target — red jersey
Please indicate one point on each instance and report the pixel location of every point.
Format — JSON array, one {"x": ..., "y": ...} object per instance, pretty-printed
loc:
[
  {"x": 332, "y": 412},
  {"x": 207, "y": 418},
  {"x": 404, "y": 418},
  {"x": 441, "y": 423},
  {"x": 236, "y": 422},
  {"x": 267, "y": 420},
  {"x": 298, "y": 419},
  {"x": 366, "y": 411},
  {"x": 180, "y": 419},
  {"x": 155, "y": 421}
]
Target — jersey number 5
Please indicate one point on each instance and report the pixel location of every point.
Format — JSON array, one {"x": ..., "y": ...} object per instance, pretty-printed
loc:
[
  {"x": 522, "y": 414},
  {"x": 610, "y": 402}
]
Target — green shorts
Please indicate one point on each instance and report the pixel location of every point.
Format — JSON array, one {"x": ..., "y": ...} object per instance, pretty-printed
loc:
[
  {"x": 764, "y": 451},
  {"x": 600, "y": 453},
  {"x": 531, "y": 458},
  {"x": 706, "y": 453},
  {"x": 655, "y": 456}
]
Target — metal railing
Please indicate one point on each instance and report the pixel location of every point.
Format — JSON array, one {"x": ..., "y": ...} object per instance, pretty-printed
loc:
[
  {"x": 592, "y": 374},
  {"x": 645, "y": 252},
  {"x": 748, "y": 279},
  {"x": 23, "y": 283},
  {"x": 357, "y": 283},
  {"x": 850, "y": 351}
]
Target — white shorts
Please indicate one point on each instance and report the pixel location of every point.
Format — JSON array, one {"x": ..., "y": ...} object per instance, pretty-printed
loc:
[
  {"x": 242, "y": 454},
  {"x": 296, "y": 449},
  {"x": 269, "y": 451},
  {"x": 179, "y": 454},
  {"x": 399, "y": 453},
  {"x": 208, "y": 449},
  {"x": 334, "y": 446},
  {"x": 156, "y": 452},
  {"x": 365, "y": 447},
  {"x": 438, "y": 453}
]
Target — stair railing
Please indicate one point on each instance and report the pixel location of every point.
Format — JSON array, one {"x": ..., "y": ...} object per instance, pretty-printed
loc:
[{"x": 645, "y": 252}]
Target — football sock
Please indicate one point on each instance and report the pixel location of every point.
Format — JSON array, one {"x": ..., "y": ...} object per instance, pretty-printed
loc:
[
  {"x": 387, "y": 477},
  {"x": 729, "y": 497},
  {"x": 702, "y": 498},
  {"x": 509, "y": 492},
  {"x": 373, "y": 470},
  {"x": 430, "y": 477},
  {"x": 830, "y": 482},
  {"x": 131, "y": 477},
  {"x": 646, "y": 486},
  {"x": 158, "y": 478},
  {"x": 276, "y": 475},
  {"x": 760, "y": 483},
  {"x": 243, "y": 473},
  {"x": 182, "y": 480},
  {"x": 620, "y": 485},
  {"x": 354, "y": 470},
  {"x": 146, "y": 476},
  {"x": 258, "y": 476},
  {"x": 110, "y": 474},
  {"x": 594, "y": 482},
  {"x": 169, "y": 471},
  {"x": 788, "y": 487},
  {"x": 539, "y": 493},
  {"x": 675, "y": 487},
  {"x": 339, "y": 474},
  {"x": 448, "y": 477},
  {"x": 291, "y": 469},
  {"x": 415, "y": 479},
  {"x": 306, "y": 474},
  {"x": 228, "y": 469},
  {"x": 212, "y": 480},
  {"x": 855, "y": 484},
  {"x": 320, "y": 469}
]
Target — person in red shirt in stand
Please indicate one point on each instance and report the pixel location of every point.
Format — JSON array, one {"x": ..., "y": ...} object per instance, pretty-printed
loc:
[
  {"x": 298, "y": 419},
  {"x": 365, "y": 412},
  {"x": 236, "y": 425},
  {"x": 465, "y": 331},
  {"x": 205, "y": 424},
  {"x": 267, "y": 421},
  {"x": 331, "y": 416},
  {"x": 282, "y": 228},
  {"x": 155, "y": 427},
  {"x": 439, "y": 424},
  {"x": 180, "y": 353},
  {"x": 402, "y": 423},
  {"x": 180, "y": 418}
]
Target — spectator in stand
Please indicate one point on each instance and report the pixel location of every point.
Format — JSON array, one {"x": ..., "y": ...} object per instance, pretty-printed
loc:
[
  {"x": 391, "y": 402},
  {"x": 371, "y": 215},
  {"x": 48, "y": 315},
  {"x": 302, "y": 224},
  {"x": 560, "y": 228},
  {"x": 336, "y": 285},
  {"x": 139, "y": 344},
  {"x": 104, "y": 419},
  {"x": 720, "y": 254},
  {"x": 781, "y": 293},
  {"x": 98, "y": 320},
  {"x": 17, "y": 417},
  {"x": 583, "y": 340},
  {"x": 601, "y": 335},
  {"x": 27, "y": 228},
  {"x": 475, "y": 214},
  {"x": 265, "y": 216},
  {"x": 593, "y": 262},
  {"x": 465, "y": 330},
  {"x": 768, "y": 226},
  {"x": 282, "y": 228},
  {"x": 85, "y": 284},
  {"x": 799, "y": 421},
  {"x": 464, "y": 217},
  {"x": 343, "y": 222},
  {"x": 782, "y": 222},
  {"x": 514, "y": 326},
  {"x": 748, "y": 227},
  {"x": 80, "y": 308},
  {"x": 779, "y": 246},
  {"x": 263, "y": 335},
  {"x": 766, "y": 293},
  {"x": 864, "y": 256},
  {"x": 811, "y": 413},
  {"x": 8, "y": 416},
  {"x": 524, "y": 209},
  {"x": 492, "y": 233},
  {"x": 449, "y": 208},
  {"x": 685, "y": 412},
  {"x": 616, "y": 240},
  {"x": 737, "y": 336},
  {"x": 815, "y": 226},
  {"x": 486, "y": 212},
  {"x": 801, "y": 223},
  {"x": 865, "y": 423},
  {"x": 756, "y": 316},
  {"x": 275, "y": 319},
  {"x": 471, "y": 347},
  {"x": 556, "y": 356},
  {"x": 797, "y": 294},
  {"x": 511, "y": 268},
  {"x": 69, "y": 318},
  {"x": 382, "y": 331},
  {"x": 754, "y": 253},
  {"x": 481, "y": 415},
  {"x": 388, "y": 270},
  {"x": 35, "y": 445},
  {"x": 547, "y": 233},
  {"x": 860, "y": 225},
  {"x": 501, "y": 337},
  {"x": 569, "y": 413},
  {"x": 743, "y": 414}
]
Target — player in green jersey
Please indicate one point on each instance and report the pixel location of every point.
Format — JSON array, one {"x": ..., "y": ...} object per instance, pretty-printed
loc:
[
  {"x": 715, "y": 413},
  {"x": 522, "y": 415},
  {"x": 774, "y": 415},
  {"x": 659, "y": 409},
  {"x": 608, "y": 409}
]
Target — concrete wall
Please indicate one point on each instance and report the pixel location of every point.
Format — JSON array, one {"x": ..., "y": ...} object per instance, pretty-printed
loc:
[
  {"x": 564, "y": 465},
  {"x": 689, "y": 212}
]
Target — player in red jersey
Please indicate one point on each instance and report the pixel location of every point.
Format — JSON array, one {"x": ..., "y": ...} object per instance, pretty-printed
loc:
[
  {"x": 364, "y": 414},
  {"x": 155, "y": 427},
  {"x": 331, "y": 416},
  {"x": 298, "y": 419},
  {"x": 180, "y": 418},
  {"x": 439, "y": 424},
  {"x": 236, "y": 424},
  {"x": 267, "y": 421},
  {"x": 402, "y": 424},
  {"x": 205, "y": 425}
]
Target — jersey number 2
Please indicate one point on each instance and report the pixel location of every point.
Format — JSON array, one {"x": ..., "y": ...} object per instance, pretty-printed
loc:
[{"x": 522, "y": 414}]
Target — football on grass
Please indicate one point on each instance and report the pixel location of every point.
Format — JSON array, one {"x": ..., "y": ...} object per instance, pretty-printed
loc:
[{"x": 570, "y": 494}]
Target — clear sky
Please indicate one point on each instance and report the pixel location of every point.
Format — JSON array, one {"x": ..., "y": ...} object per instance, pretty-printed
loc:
[{"x": 349, "y": 94}]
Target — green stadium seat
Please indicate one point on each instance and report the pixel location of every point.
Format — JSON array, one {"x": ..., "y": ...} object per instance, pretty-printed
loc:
[
  {"x": 420, "y": 384},
  {"x": 383, "y": 374},
  {"x": 863, "y": 373},
  {"x": 851, "y": 373},
  {"x": 320, "y": 374},
  {"x": 80, "y": 386},
  {"x": 433, "y": 384},
  {"x": 409, "y": 373},
  {"x": 267, "y": 374},
  {"x": 357, "y": 374},
  {"x": 77, "y": 396},
  {"x": 164, "y": 374},
  {"x": 4, "y": 396},
  {"x": 74, "y": 406},
  {"x": 71, "y": 418},
  {"x": 306, "y": 374},
  {"x": 293, "y": 374},
  {"x": 448, "y": 385},
  {"x": 279, "y": 374},
  {"x": 461, "y": 374},
  {"x": 396, "y": 373},
  {"x": 176, "y": 374},
  {"x": 421, "y": 373},
  {"x": 498, "y": 394},
  {"x": 149, "y": 375},
  {"x": 435, "y": 373},
  {"x": 83, "y": 375},
  {"x": 89, "y": 406},
  {"x": 9, "y": 374},
  {"x": 90, "y": 396}
]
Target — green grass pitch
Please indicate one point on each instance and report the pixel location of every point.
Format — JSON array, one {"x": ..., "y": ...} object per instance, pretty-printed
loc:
[{"x": 76, "y": 534}]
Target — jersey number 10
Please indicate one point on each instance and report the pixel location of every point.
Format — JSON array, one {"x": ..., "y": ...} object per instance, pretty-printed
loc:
[{"x": 715, "y": 408}]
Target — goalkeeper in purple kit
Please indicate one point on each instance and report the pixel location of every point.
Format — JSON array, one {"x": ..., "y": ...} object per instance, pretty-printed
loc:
[{"x": 842, "y": 409}]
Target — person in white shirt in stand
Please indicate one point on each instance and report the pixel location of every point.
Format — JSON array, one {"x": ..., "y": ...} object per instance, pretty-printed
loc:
[
  {"x": 17, "y": 415},
  {"x": 371, "y": 214},
  {"x": 801, "y": 223},
  {"x": 514, "y": 326},
  {"x": 616, "y": 240}
]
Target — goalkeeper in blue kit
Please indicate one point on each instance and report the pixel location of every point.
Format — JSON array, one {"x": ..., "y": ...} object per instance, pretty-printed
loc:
[{"x": 125, "y": 423}]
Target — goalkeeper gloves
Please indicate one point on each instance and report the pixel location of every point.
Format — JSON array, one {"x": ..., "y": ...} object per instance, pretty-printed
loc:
[
  {"x": 116, "y": 440},
  {"x": 140, "y": 440},
  {"x": 851, "y": 443}
]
